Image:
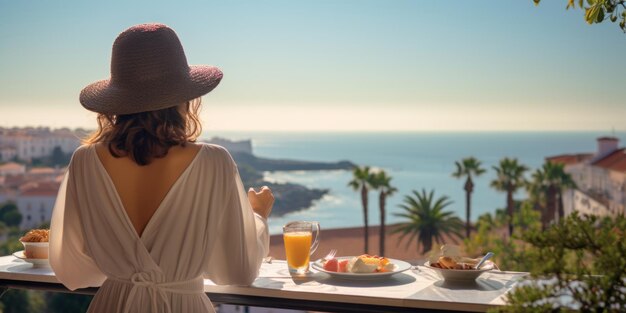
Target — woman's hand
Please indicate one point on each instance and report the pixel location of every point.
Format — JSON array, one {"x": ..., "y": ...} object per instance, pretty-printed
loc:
[{"x": 262, "y": 201}]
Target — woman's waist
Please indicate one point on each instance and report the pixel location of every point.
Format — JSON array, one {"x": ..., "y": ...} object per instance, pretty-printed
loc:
[{"x": 142, "y": 280}]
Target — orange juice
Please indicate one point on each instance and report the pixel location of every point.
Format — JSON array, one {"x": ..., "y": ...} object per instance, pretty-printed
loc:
[{"x": 298, "y": 249}]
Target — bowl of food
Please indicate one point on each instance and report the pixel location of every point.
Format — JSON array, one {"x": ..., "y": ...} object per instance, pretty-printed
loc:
[
  {"x": 36, "y": 243},
  {"x": 450, "y": 265}
]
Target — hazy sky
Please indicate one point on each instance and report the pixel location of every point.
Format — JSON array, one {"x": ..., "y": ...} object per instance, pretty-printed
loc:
[{"x": 334, "y": 65}]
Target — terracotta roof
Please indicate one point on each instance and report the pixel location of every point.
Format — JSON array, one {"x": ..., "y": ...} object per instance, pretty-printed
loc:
[
  {"x": 615, "y": 161},
  {"x": 42, "y": 170},
  {"x": 11, "y": 166},
  {"x": 569, "y": 159},
  {"x": 45, "y": 188},
  {"x": 608, "y": 138}
]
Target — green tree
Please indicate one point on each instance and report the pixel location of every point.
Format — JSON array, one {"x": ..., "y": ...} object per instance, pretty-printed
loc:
[
  {"x": 382, "y": 182},
  {"x": 598, "y": 11},
  {"x": 10, "y": 215},
  {"x": 58, "y": 157},
  {"x": 468, "y": 167},
  {"x": 491, "y": 229},
  {"x": 581, "y": 257},
  {"x": 362, "y": 180},
  {"x": 510, "y": 178},
  {"x": 546, "y": 187},
  {"x": 22, "y": 301},
  {"x": 427, "y": 219}
]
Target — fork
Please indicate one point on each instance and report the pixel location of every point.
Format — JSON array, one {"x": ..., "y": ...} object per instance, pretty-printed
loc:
[{"x": 330, "y": 255}]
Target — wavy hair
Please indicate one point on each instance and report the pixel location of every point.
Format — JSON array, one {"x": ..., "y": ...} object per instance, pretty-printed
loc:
[{"x": 148, "y": 135}]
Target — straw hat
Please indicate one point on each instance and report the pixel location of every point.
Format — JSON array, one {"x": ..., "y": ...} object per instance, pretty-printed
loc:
[{"x": 149, "y": 71}]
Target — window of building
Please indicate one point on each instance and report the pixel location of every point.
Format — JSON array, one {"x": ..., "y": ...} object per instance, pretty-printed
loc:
[{"x": 28, "y": 217}]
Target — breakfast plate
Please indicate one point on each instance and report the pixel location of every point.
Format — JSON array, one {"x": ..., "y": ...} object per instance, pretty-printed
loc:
[
  {"x": 399, "y": 266},
  {"x": 34, "y": 262}
]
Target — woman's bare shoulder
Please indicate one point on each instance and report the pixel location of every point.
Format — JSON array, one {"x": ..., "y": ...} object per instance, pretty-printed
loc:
[{"x": 217, "y": 154}]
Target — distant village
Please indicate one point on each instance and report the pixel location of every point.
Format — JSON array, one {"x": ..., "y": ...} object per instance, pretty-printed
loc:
[{"x": 33, "y": 185}]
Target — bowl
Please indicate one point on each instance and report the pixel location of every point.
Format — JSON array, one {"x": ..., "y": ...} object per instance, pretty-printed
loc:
[
  {"x": 461, "y": 275},
  {"x": 35, "y": 250}
]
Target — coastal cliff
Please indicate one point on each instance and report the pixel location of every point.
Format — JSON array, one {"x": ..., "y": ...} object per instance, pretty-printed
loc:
[{"x": 289, "y": 197}]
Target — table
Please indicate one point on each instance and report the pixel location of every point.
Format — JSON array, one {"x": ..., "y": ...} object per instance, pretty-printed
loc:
[{"x": 419, "y": 289}]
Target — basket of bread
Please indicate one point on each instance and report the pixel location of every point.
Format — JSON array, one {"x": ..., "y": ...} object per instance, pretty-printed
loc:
[{"x": 35, "y": 244}]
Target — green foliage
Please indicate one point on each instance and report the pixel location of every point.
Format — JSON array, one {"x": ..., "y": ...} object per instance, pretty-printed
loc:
[
  {"x": 68, "y": 303},
  {"x": 12, "y": 244},
  {"x": 509, "y": 175},
  {"x": 427, "y": 219},
  {"x": 10, "y": 215},
  {"x": 545, "y": 190},
  {"x": 597, "y": 11},
  {"x": 60, "y": 158},
  {"x": 468, "y": 167},
  {"x": 362, "y": 179},
  {"x": 382, "y": 182},
  {"x": 582, "y": 257},
  {"x": 509, "y": 178},
  {"x": 22, "y": 301},
  {"x": 510, "y": 253}
]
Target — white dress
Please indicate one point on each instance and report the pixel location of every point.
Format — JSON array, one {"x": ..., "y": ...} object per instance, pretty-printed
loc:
[{"x": 204, "y": 228}]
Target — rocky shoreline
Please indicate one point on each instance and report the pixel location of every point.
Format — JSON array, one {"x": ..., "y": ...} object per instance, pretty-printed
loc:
[{"x": 290, "y": 197}]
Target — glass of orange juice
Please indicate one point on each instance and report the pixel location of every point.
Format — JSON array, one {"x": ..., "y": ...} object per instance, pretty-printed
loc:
[{"x": 300, "y": 244}]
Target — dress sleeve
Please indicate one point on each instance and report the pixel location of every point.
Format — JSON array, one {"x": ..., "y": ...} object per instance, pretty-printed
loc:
[
  {"x": 71, "y": 263},
  {"x": 241, "y": 239}
]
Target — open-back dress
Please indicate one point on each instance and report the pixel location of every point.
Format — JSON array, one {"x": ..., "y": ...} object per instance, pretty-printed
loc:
[{"x": 203, "y": 229}]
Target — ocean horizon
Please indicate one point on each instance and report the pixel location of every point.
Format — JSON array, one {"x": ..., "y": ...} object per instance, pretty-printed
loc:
[{"x": 415, "y": 160}]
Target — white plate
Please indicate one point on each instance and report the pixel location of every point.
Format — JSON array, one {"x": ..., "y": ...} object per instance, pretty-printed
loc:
[
  {"x": 461, "y": 275},
  {"x": 34, "y": 262},
  {"x": 400, "y": 266}
]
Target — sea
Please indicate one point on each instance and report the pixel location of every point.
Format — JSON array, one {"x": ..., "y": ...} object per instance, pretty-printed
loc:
[{"x": 415, "y": 161}]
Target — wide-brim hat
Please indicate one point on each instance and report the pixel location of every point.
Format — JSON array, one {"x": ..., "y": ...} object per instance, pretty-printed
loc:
[{"x": 149, "y": 72}]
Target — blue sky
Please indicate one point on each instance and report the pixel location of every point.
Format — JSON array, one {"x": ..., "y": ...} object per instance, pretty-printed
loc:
[{"x": 334, "y": 65}]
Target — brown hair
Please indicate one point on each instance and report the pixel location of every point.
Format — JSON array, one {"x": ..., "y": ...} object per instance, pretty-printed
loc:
[{"x": 148, "y": 135}]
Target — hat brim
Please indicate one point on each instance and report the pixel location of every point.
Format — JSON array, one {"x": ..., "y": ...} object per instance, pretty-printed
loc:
[{"x": 107, "y": 98}]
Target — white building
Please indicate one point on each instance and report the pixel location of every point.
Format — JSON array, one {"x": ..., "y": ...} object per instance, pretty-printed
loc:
[
  {"x": 35, "y": 202},
  {"x": 7, "y": 153},
  {"x": 29, "y": 143},
  {"x": 600, "y": 178}
]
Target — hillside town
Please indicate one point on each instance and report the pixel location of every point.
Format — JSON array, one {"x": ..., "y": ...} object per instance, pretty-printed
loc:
[{"x": 600, "y": 179}]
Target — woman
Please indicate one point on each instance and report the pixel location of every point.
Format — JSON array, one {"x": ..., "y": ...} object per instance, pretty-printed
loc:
[{"x": 144, "y": 212}]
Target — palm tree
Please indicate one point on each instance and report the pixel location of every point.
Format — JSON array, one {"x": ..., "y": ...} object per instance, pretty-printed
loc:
[
  {"x": 540, "y": 194},
  {"x": 427, "y": 219},
  {"x": 548, "y": 184},
  {"x": 362, "y": 180},
  {"x": 382, "y": 182},
  {"x": 466, "y": 168},
  {"x": 510, "y": 177}
]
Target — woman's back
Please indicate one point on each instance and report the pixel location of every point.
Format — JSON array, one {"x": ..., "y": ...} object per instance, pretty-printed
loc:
[{"x": 142, "y": 188}]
